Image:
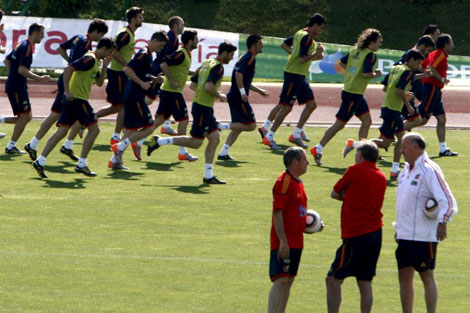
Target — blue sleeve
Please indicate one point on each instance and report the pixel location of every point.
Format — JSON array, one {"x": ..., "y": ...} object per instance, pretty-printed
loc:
[
  {"x": 216, "y": 74},
  {"x": 175, "y": 59},
  {"x": 405, "y": 79},
  {"x": 344, "y": 59},
  {"x": 24, "y": 56},
  {"x": 122, "y": 40},
  {"x": 84, "y": 63},
  {"x": 246, "y": 64},
  {"x": 138, "y": 61},
  {"x": 66, "y": 45},
  {"x": 369, "y": 63},
  {"x": 8, "y": 57},
  {"x": 305, "y": 45},
  {"x": 289, "y": 41}
]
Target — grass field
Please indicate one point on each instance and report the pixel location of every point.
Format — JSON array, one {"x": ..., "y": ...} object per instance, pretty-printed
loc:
[{"x": 155, "y": 239}]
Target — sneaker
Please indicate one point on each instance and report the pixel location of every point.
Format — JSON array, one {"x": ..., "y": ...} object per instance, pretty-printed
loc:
[
  {"x": 213, "y": 180},
  {"x": 394, "y": 175},
  {"x": 85, "y": 170},
  {"x": 116, "y": 166},
  {"x": 117, "y": 153},
  {"x": 81, "y": 131},
  {"x": 187, "y": 157},
  {"x": 168, "y": 131},
  {"x": 2, "y": 135},
  {"x": 113, "y": 141},
  {"x": 225, "y": 158},
  {"x": 298, "y": 141},
  {"x": 448, "y": 152},
  {"x": 271, "y": 144},
  {"x": 14, "y": 150},
  {"x": 136, "y": 148},
  {"x": 32, "y": 153},
  {"x": 153, "y": 145},
  {"x": 40, "y": 169},
  {"x": 349, "y": 147},
  {"x": 304, "y": 137},
  {"x": 316, "y": 156},
  {"x": 69, "y": 153},
  {"x": 262, "y": 131}
]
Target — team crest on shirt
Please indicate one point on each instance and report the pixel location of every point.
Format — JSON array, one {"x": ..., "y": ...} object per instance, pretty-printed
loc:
[
  {"x": 417, "y": 176},
  {"x": 302, "y": 211},
  {"x": 414, "y": 183}
]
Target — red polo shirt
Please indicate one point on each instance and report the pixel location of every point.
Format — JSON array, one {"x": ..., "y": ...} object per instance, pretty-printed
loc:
[
  {"x": 365, "y": 188},
  {"x": 438, "y": 60}
]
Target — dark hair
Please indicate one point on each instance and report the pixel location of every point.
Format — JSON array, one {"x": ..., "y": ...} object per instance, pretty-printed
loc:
[
  {"x": 252, "y": 40},
  {"x": 430, "y": 29},
  {"x": 1, "y": 14},
  {"x": 107, "y": 43},
  {"x": 133, "y": 12},
  {"x": 226, "y": 46},
  {"x": 159, "y": 36},
  {"x": 292, "y": 153},
  {"x": 187, "y": 36},
  {"x": 368, "y": 150},
  {"x": 414, "y": 54},
  {"x": 99, "y": 25},
  {"x": 426, "y": 40},
  {"x": 35, "y": 27},
  {"x": 172, "y": 21},
  {"x": 442, "y": 40},
  {"x": 366, "y": 37},
  {"x": 316, "y": 18}
]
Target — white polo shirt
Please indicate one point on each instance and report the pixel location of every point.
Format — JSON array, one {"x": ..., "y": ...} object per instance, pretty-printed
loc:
[{"x": 415, "y": 187}]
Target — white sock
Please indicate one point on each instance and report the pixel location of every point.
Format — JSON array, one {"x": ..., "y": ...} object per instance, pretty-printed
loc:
[
  {"x": 224, "y": 126},
  {"x": 42, "y": 160},
  {"x": 297, "y": 132},
  {"x": 116, "y": 136},
  {"x": 183, "y": 150},
  {"x": 355, "y": 144},
  {"x": 270, "y": 135},
  {"x": 208, "y": 171},
  {"x": 11, "y": 145},
  {"x": 68, "y": 144},
  {"x": 34, "y": 143},
  {"x": 225, "y": 149},
  {"x": 113, "y": 159},
  {"x": 165, "y": 141},
  {"x": 122, "y": 145},
  {"x": 267, "y": 124},
  {"x": 141, "y": 142},
  {"x": 81, "y": 162},
  {"x": 319, "y": 148},
  {"x": 395, "y": 167},
  {"x": 442, "y": 146},
  {"x": 166, "y": 124}
]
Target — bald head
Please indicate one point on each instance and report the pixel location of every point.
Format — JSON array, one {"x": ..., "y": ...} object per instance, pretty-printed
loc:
[{"x": 412, "y": 147}]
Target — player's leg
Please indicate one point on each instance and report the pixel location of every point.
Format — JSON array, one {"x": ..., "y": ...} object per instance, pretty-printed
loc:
[
  {"x": 263, "y": 130},
  {"x": 20, "y": 125},
  {"x": 279, "y": 294},
  {"x": 32, "y": 145},
  {"x": 304, "y": 95},
  {"x": 366, "y": 122},
  {"x": 367, "y": 297},
  {"x": 333, "y": 294},
  {"x": 430, "y": 290}
]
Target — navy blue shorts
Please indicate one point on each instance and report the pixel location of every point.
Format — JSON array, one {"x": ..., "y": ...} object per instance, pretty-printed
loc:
[
  {"x": 19, "y": 101},
  {"x": 241, "y": 112},
  {"x": 172, "y": 103},
  {"x": 136, "y": 112},
  {"x": 117, "y": 81},
  {"x": 358, "y": 257},
  {"x": 419, "y": 254},
  {"x": 432, "y": 101},
  {"x": 392, "y": 123},
  {"x": 406, "y": 115},
  {"x": 154, "y": 90},
  {"x": 204, "y": 121},
  {"x": 284, "y": 267},
  {"x": 295, "y": 87},
  {"x": 351, "y": 104},
  {"x": 57, "y": 105},
  {"x": 76, "y": 110}
]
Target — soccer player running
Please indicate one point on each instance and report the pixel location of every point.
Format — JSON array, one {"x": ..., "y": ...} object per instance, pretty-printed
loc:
[
  {"x": 206, "y": 82},
  {"x": 117, "y": 79},
  {"x": 362, "y": 191},
  {"x": 302, "y": 51},
  {"x": 18, "y": 64},
  {"x": 287, "y": 226},
  {"x": 243, "y": 117},
  {"x": 138, "y": 121},
  {"x": 431, "y": 104},
  {"x": 359, "y": 65},
  {"x": 78, "y": 46},
  {"x": 418, "y": 235},
  {"x": 79, "y": 76}
]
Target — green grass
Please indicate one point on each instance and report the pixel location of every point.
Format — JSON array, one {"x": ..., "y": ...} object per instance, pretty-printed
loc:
[{"x": 154, "y": 239}]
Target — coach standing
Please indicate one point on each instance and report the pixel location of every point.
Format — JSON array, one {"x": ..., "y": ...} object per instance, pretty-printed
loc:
[{"x": 417, "y": 235}]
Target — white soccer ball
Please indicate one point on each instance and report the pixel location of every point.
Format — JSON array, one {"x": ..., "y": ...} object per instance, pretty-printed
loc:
[
  {"x": 313, "y": 223},
  {"x": 431, "y": 209}
]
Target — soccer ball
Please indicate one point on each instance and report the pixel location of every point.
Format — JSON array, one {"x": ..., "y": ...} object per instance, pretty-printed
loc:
[
  {"x": 313, "y": 223},
  {"x": 431, "y": 209}
]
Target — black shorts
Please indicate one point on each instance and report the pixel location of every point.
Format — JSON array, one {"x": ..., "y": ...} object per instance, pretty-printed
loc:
[
  {"x": 76, "y": 110},
  {"x": 117, "y": 81},
  {"x": 392, "y": 123},
  {"x": 357, "y": 257},
  {"x": 136, "y": 111},
  {"x": 351, "y": 104},
  {"x": 19, "y": 101},
  {"x": 172, "y": 103},
  {"x": 284, "y": 267},
  {"x": 295, "y": 87},
  {"x": 241, "y": 112},
  {"x": 57, "y": 105},
  {"x": 204, "y": 121},
  {"x": 419, "y": 254},
  {"x": 432, "y": 101},
  {"x": 154, "y": 90},
  {"x": 406, "y": 114}
]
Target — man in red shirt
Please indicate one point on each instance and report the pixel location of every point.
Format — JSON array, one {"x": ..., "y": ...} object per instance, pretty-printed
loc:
[
  {"x": 362, "y": 190},
  {"x": 431, "y": 91},
  {"x": 287, "y": 227}
]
